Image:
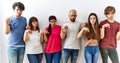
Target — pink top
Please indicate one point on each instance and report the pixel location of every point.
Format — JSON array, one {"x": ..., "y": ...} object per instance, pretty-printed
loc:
[{"x": 54, "y": 41}]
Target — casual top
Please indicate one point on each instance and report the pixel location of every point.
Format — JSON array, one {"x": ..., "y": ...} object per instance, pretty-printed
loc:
[
  {"x": 109, "y": 40},
  {"x": 71, "y": 41},
  {"x": 53, "y": 43},
  {"x": 33, "y": 45},
  {"x": 17, "y": 28}
]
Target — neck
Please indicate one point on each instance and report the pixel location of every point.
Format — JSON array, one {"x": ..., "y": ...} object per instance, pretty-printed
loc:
[
  {"x": 53, "y": 26},
  {"x": 34, "y": 29},
  {"x": 111, "y": 20},
  {"x": 17, "y": 16}
]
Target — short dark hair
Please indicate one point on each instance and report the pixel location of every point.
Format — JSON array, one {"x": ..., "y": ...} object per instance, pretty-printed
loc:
[
  {"x": 109, "y": 9},
  {"x": 19, "y": 5}
]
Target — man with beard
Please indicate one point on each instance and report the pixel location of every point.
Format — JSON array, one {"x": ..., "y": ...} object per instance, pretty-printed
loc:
[{"x": 69, "y": 33}]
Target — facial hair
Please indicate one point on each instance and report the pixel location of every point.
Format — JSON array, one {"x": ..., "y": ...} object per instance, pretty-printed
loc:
[{"x": 73, "y": 20}]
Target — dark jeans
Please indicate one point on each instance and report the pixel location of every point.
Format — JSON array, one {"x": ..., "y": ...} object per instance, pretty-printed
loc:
[
  {"x": 66, "y": 53},
  {"x": 35, "y": 58},
  {"x": 50, "y": 56},
  {"x": 112, "y": 53},
  {"x": 91, "y": 54}
]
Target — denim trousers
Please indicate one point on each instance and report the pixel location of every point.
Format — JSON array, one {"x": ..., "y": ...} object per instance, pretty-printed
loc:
[
  {"x": 111, "y": 52},
  {"x": 53, "y": 56},
  {"x": 16, "y": 54},
  {"x": 35, "y": 58},
  {"x": 66, "y": 53},
  {"x": 91, "y": 54}
]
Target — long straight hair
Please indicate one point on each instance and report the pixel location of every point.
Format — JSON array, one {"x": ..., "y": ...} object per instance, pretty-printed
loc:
[
  {"x": 91, "y": 34},
  {"x": 30, "y": 23},
  {"x": 49, "y": 27}
]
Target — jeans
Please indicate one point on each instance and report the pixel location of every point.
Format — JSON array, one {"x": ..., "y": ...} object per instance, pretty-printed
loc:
[
  {"x": 69, "y": 52},
  {"x": 50, "y": 56},
  {"x": 16, "y": 54},
  {"x": 112, "y": 53},
  {"x": 35, "y": 58},
  {"x": 91, "y": 54}
]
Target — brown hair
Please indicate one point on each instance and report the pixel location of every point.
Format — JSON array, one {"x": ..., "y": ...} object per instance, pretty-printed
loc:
[
  {"x": 30, "y": 23},
  {"x": 109, "y": 9},
  {"x": 92, "y": 34}
]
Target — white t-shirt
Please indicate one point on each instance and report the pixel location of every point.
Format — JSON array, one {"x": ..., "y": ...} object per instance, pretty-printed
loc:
[
  {"x": 71, "y": 41},
  {"x": 33, "y": 45}
]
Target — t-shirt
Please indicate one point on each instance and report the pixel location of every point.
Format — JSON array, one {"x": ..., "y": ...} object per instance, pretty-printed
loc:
[
  {"x": 17, "y": 28},
  {"x": 109, "y": 40},
  {"x": 71, "y": 41},
  {"x": 33, "y": 45},
  {"x": 53, "y": 43}
]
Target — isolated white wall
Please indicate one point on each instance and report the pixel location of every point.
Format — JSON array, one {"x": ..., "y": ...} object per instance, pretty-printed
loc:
[{"x": 42, "y": 9}]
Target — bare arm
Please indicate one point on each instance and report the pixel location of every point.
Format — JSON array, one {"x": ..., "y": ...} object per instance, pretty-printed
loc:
[
  {"x": 7, "y": 27},
  {"x": 85, "y": 29},
  {"x": 63, "y": 33},
  {"x": 42, "y": 37},
  {"x": 102, "y": 32},
  {"x": 118, "y": 35},
  {"x": 25, "y": 38}
]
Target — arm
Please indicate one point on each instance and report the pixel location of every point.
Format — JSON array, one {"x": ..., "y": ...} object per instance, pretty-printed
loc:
[
  {"x": 63, "y": 33},
  {"x": 7, "y": 27},
  {"x": 42, "y": 37},
  {"x": 25, "y": 38},
  {"x": 45, "y": 35},
  {"x": 102, "y": 32},
  {"x": 85, "y": 29},
  {"x": 118, "y": 35}
]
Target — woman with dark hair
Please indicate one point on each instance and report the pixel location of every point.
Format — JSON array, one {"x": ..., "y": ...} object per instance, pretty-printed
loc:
[
  {"x": 33, "y": 37},
  {"x": 53, "y": 41},
  {"x": 92, "y": 37}
]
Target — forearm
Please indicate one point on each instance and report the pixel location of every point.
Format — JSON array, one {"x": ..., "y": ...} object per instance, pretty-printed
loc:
[
  {"x": 63, "y": 34},
  {"x": 45, "y": 37},
  {"x": 25, "y": 38},
  {"x": 80, "y": 34},
  {"x": 7, "y": 28},
  {"x": 102, "y": 32},
  {"x": 118, "y": 36}
]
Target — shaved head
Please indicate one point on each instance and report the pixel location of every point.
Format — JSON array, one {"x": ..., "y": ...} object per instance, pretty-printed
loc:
[{"x": 72, "y": 15}]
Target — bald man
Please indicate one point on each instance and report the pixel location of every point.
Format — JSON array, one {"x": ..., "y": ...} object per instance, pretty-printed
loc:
[{"x": 69, "y": 32}]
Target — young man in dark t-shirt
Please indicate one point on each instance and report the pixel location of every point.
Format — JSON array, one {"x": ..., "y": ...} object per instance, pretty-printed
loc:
[{"x": 108, "y": 32}]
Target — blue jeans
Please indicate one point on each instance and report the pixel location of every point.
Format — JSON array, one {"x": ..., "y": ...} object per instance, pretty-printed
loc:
[
  {"x": 35, "y": 58},
  {"x": 50, "y": 56},
  {"x": 112, "y": 53},
  {"x": 91, "y": 54},
  {"x": 16, "y": 54},
  {"x": 69, "y": 52}
]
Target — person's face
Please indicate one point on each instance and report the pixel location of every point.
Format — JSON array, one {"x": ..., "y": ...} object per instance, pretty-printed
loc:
[
  {"x": 35, "y": 24},
  {"x": 72, "y": 16},
  {"x": 53, "y": 22},
  {"x": 18, "y": 11},
  {"x": 110, "y": 15},
  {"x": 92, "y": 19}
]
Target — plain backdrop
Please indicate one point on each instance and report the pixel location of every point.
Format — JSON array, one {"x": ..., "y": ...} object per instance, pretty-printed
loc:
[{"x": 42, "y": 9}]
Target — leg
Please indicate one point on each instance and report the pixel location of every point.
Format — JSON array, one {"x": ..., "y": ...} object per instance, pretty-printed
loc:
[
  {"x": 57, "y": 56},
  {"x": 113, "y": 56},
  {"x": 39, "y": 57},
  {"x": 88, "y": 54},
  {"x": 49, "y": 57},
  {"x": 21, "y": 54},
  {"x": 95, "y": 54},
  {"x": 104, "y": 55},
  {"x": 74, "y": 55},
  {"x": 32, "y": 58},
  {"x": 65, "y": 55},
  {"x": 12, "y": 54}
]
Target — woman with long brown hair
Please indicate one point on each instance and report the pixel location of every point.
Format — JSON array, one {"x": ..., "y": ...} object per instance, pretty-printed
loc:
[{"x": 92, "y": 36}]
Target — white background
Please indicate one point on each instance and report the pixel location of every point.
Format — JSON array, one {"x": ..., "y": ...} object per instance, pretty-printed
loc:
[{"x": 42, "y": 9}]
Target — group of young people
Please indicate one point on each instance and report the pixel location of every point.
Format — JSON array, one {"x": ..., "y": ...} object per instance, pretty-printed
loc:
[{"x": 30, "y": 37}]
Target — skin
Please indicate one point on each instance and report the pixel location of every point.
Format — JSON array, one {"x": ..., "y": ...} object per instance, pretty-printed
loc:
[{"x": 18, "y": 13}]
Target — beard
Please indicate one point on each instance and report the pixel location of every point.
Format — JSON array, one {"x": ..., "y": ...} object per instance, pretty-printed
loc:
[{"x": 73, "y": 20}]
